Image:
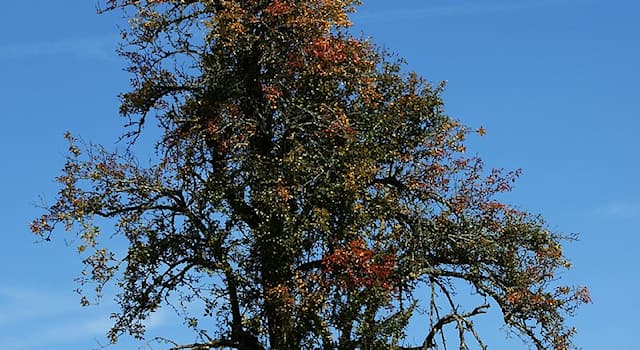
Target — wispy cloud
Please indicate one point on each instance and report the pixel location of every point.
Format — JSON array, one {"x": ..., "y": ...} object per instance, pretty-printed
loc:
[
  {"x": 22, "y": 304},
  {"x": 33, "y": 319},
  {"x": 95, "y": 48},
  {"x": 621, "y": 209},
  {"x": 448, "y": 8},
  {"x": 58, "y": 334}
]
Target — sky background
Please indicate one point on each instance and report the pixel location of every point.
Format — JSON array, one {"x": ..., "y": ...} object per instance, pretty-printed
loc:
[{"x": 555, "y": 83}]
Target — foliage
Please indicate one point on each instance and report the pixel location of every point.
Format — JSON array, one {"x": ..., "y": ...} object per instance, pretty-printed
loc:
[{"x": 307, "y": 193}]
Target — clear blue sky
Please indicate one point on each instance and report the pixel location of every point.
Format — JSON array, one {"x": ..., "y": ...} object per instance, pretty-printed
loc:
[{"x": 556, "y": 84}]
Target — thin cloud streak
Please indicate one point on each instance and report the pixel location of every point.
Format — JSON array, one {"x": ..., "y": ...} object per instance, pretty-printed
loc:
[
  {"x": 621, "y": 209},
  {"x": 66, "y": 333},
  {"x": 95, "y": 48},
  {"x": 463, "y": 8},
  {"x": 88, "y": 328},
  {"x": 38, "y": 319},
  {"x": 24, "y": 305}
]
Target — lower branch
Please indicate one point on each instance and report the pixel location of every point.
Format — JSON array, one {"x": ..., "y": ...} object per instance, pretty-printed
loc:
[{"x": 450, "y": 318}]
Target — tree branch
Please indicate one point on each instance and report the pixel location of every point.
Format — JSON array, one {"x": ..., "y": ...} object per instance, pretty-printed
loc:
[{"x": 437, "y": 328}]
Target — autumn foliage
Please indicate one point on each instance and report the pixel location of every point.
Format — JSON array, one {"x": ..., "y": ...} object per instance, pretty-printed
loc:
[
  {"x": 306, "y": 193},
  {"x": 355, "y": 266}
]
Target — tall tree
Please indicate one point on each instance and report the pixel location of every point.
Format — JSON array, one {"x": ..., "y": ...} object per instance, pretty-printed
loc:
[{"x": 307, "y": 192}]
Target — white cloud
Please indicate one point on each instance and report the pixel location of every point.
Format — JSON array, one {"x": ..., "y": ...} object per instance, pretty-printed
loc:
[
  {"x": 446, "y": 8},
  {"x": 98, "y": 47},
  {"x": 41, "y": 319},
  {"x": 58, "y": 334},
  {"x": 621, "y": 209},
  {"x": 22, "y": 304}
]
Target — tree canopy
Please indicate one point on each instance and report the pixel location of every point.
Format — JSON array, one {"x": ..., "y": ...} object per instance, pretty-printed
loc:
[{"x": 307, "y": 192}]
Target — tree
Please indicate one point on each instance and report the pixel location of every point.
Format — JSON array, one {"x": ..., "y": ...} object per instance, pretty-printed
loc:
[{"x": 307, "y": 192}]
